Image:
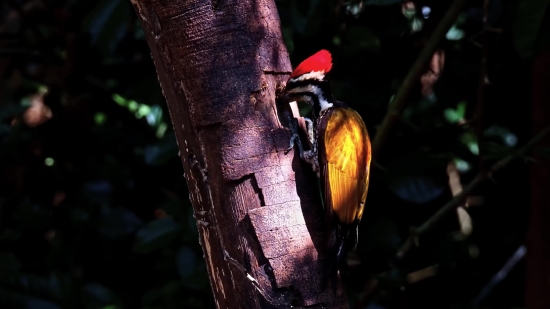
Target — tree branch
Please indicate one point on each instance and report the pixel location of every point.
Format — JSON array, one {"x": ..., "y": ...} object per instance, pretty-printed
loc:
[
  {"x": 399, "y": 102},
  {"x": 459, "y": 199},
  {"x": 373, "y": 284}
]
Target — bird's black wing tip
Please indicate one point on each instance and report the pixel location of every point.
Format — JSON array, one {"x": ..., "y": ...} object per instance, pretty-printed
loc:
[{"x": 330, "y": 269}]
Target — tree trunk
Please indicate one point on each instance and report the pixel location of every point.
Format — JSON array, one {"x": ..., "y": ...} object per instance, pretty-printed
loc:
[{"x": 257, "y": 209}]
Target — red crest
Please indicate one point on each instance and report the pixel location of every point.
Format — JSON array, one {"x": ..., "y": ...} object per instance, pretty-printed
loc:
[{"x": 320, "y": 61}]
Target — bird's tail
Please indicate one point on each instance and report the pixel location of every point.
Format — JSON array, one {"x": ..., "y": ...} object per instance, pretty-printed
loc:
[{"x": 335, "y": 249}]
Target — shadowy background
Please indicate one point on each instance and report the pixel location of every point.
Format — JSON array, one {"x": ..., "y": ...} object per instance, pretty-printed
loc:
[{"x": 94, "y": 211}]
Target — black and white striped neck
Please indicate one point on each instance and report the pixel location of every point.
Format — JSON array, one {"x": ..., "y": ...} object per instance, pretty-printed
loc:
[{"x": 315, "y": 92}]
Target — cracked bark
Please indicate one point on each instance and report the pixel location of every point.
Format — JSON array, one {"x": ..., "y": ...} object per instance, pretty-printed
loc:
[{"x": 258, "y": 210}]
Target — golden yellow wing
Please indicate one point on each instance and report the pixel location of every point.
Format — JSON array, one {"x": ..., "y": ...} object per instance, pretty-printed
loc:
[{"x": 345, "y": 155}]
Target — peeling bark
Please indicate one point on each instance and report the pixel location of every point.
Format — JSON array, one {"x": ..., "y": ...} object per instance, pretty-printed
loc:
[{"x": 257, "y": 209}]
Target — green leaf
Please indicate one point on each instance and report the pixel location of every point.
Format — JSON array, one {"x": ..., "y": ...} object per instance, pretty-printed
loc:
[
  {"x": 455, "y": 115},
  {"x": 506, "y": 136},
  {"x": 119, "y": 99},
  {"x": 461, "y": 165},
  {"x": 100, "y": 118},
  {"x": 416, "y": 24},
  {"x": 417, "y": 177},
  {"x": 451, "y": 115},
  {"x": 156, "y": 234},
  {"x": 461, "y": 109},
  {"x": 454, "y": 34},
  {"x": 470, "y": 141}
]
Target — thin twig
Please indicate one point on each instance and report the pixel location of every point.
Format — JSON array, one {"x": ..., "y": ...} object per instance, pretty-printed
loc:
[
  {"x": 501, "y": 274},
  {"x": 472, "y": 38},
  {"x": 529, "y": 145},
  {"x": 459, "y": 199},
  {"x": 400, "y": 100},
  {"x": 434, "y": 219}
]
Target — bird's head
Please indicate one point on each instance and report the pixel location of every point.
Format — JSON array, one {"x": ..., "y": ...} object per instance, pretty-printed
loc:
[{"x": 308, "y": 82}]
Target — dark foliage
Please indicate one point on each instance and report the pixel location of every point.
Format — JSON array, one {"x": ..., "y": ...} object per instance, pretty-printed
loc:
[{"x": 94, "y": 211}]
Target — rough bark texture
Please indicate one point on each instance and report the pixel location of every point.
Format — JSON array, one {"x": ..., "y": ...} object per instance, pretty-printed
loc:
[
  {"x": 219, "y": 63},
  {"x": 538, "y": 238}
]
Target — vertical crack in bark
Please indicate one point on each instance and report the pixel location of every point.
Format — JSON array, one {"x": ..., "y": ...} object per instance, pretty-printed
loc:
[{"x": 257, "y": 189}]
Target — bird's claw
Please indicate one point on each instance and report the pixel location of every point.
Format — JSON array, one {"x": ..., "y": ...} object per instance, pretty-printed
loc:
[
  {"x": 292, "y": 140},
  {"x": 310, "y": 132}
]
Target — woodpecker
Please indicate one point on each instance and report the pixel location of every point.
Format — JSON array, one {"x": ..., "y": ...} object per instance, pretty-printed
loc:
[{"x": 340, "y": 153}]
